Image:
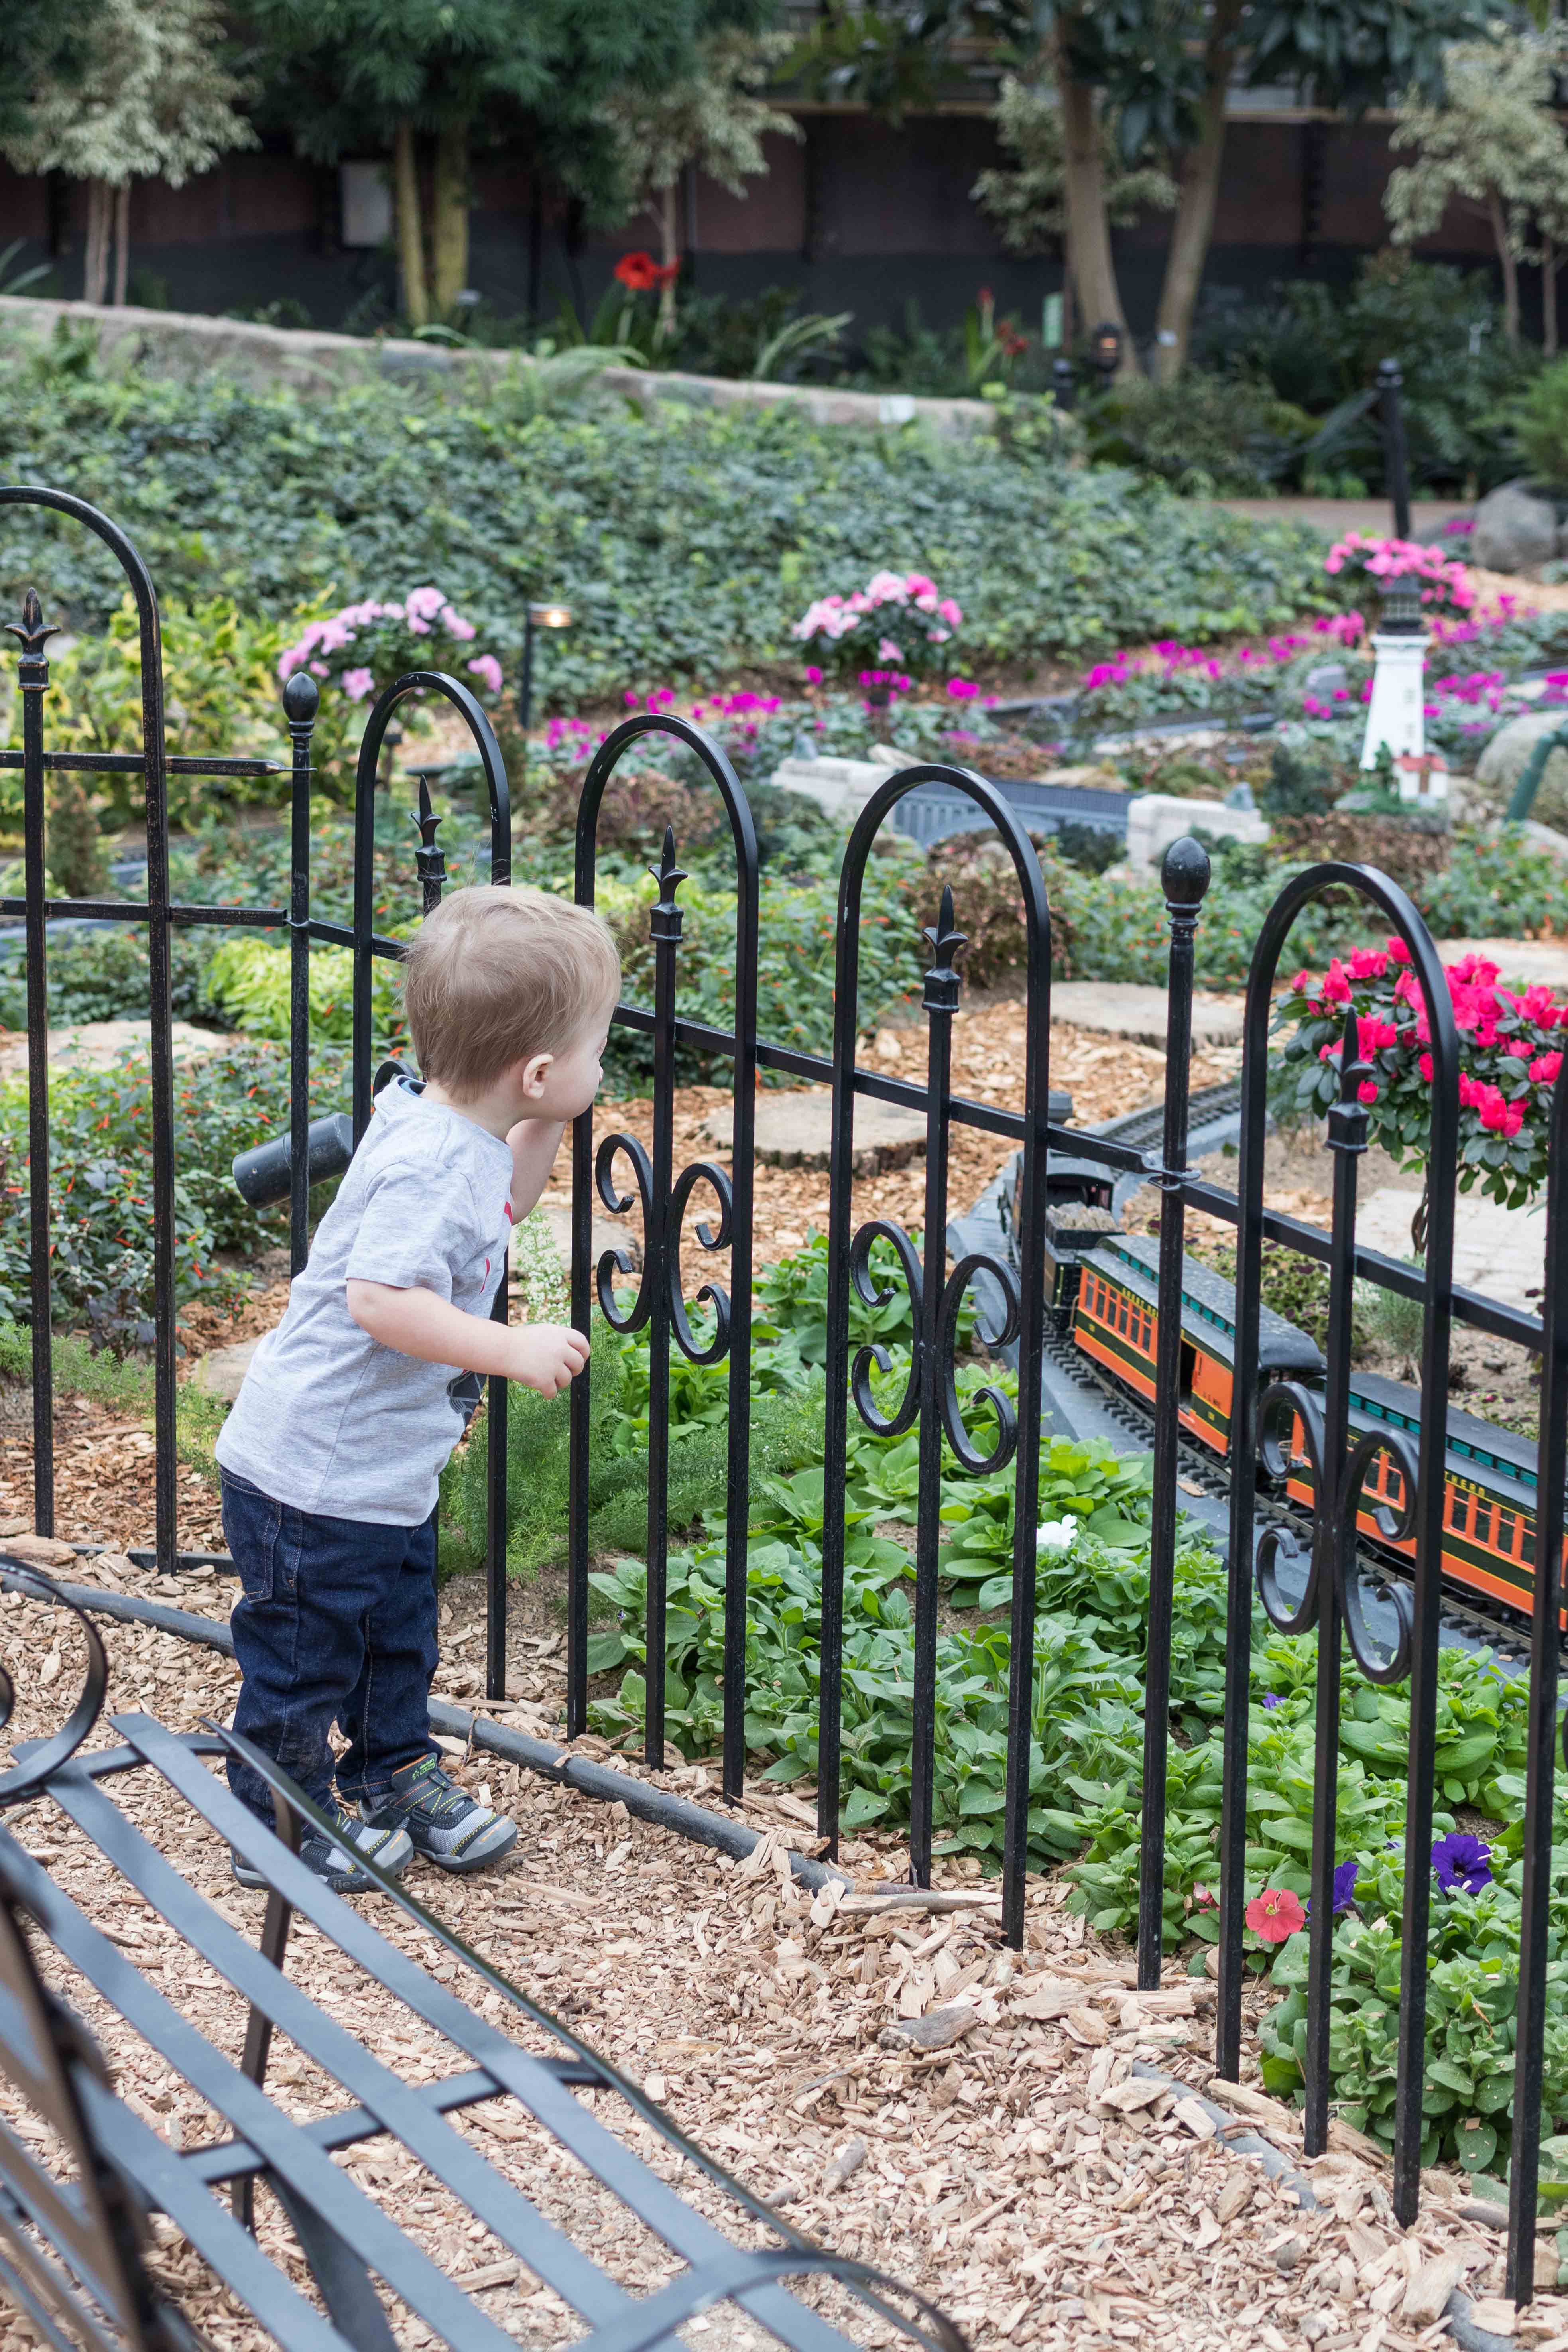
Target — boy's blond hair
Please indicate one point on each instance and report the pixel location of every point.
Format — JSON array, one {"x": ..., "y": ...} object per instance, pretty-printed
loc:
[{"x": 499, "y": 973}]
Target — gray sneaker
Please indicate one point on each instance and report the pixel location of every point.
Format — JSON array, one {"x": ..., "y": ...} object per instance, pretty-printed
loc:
[
  {"x": 447, "y": 1825},
  {"x": 391, "y": 1849}
]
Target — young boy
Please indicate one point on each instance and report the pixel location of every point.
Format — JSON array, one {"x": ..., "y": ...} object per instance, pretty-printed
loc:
[{"x": 331, "y": 1455}]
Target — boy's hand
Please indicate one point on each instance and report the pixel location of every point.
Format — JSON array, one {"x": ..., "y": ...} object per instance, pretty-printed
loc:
[{"x": 545, "y": 1356}]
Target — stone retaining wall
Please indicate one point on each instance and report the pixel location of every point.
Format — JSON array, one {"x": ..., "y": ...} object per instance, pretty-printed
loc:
[{"x": 183, "y": 342}]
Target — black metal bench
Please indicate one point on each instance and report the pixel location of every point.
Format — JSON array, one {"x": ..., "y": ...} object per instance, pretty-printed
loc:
[{"x": 74, "y": 2222}]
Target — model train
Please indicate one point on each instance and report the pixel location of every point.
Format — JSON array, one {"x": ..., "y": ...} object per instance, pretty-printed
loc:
[{"x": 1102, "y": 1290}]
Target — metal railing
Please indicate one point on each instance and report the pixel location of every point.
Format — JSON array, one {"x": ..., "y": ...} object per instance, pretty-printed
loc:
[{"x": 1334, "y": 1601}]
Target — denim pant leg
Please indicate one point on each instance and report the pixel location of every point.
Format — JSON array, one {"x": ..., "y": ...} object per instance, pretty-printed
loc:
[
  {"x": 311, "y": 1585},
  {"x": 387, "y": 1717}
]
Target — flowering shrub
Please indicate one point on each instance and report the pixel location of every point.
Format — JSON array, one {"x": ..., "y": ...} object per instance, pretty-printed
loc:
[
  {"x": 1444, "y": 583},
  {"x": 1511, "y": 1054},
  {"x": 898, "y": 617},
  {"x": 362, "y": 648}
]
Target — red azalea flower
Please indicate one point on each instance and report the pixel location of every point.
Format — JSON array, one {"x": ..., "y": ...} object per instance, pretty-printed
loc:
[
  {"x": 1275, "y": 1914},
  {"x": 1367, "y": 1091},
  {"x": 637, "y": 272}
]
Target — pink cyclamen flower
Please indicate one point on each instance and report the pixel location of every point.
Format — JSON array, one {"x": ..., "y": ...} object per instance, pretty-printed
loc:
[
  {"x": 486, "y": 668},
  {"x": 357, "y": 683},
  {"x": 814, "y": 676}
]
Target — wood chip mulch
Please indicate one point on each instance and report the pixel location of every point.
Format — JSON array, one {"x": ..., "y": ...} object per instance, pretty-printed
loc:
[{"x": 1020, "y": 2175}]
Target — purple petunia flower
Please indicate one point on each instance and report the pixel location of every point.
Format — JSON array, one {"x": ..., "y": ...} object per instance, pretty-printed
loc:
[
  {"x": 1463, "y": 1863},
  {"x": 1271, "y": 1698},
  {"x": 1345, "y": 1876}
]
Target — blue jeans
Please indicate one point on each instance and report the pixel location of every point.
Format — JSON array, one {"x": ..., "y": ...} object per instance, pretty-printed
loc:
[{"x": 337, "y": 1623}]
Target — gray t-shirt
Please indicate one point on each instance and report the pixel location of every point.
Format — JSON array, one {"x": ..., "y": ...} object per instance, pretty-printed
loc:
[{"x": 328, "y": 1419}]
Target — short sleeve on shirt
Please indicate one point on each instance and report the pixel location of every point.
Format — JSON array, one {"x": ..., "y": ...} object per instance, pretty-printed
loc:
[{"x": 418, "y": 1230}]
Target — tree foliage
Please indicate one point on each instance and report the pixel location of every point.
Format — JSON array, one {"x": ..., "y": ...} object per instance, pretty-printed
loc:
[
  {"x": 1026, "y": 198},
  {"x": 148, "y": 95}
]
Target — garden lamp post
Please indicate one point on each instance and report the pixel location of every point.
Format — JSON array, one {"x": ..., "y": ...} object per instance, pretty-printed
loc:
[
  {"x": 1105, "y": 349},
  {"x": 1064, "y": 383},
  {"x": 540, "y": 616}
]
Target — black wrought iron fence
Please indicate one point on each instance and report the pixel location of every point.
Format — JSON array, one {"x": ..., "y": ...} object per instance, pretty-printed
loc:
[{"x": 1293, "y": 1430}]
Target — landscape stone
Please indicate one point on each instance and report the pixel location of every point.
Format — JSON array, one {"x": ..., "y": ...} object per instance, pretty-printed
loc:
[
  {"x": 1503, "y": 762},
  {"x": 1498, "y": 1250},
  {"x": 1515, "y": 528},
  {"x": 604, "y": 1234},
  {"x": 220, "y": 1371},
  {"x": 1122, "y": 1008},
  {"x": 1156, "y": 819},
  {"x": 794, "y": 1131},
  {"x": 104, "y": 1045}
]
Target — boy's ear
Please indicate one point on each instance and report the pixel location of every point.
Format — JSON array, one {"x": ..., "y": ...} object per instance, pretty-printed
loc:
[{"x": 532, "y": 1073}]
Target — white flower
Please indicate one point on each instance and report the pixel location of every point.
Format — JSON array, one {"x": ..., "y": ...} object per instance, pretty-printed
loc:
[{"x": 1056, "y": 1535}]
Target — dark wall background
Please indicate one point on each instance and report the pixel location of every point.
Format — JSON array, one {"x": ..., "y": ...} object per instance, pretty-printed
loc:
[{"x": 856, "y": 216}]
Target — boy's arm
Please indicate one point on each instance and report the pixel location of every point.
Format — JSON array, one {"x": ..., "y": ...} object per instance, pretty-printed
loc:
[
  {"x": 543, "y": 1355},
  {"x": 535, "y": 1143}
]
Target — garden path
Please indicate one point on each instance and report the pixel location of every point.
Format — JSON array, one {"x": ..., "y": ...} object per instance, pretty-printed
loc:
[{"x": 1015, "y": 2175}]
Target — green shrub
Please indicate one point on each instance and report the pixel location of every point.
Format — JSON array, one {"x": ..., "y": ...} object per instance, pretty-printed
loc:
[
  {"x": 1538, "y": 422},
  {"x": 688, "y": 543},
  {"x": 1208, "y": 436}
]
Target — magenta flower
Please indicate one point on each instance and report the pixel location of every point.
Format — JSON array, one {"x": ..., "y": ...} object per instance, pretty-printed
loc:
[
  {"x": 357, "y": 683},
  {"x": 486, "y": 668}
]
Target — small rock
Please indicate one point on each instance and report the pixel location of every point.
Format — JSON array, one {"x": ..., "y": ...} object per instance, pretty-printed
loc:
[
  {"x": 222, "y": 1371},
  {"x": 40, "y": 1551},
  {"x": 1515, "y": 528}
]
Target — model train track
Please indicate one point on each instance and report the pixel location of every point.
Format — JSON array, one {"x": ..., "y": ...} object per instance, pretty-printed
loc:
[{"x": 1197, "y": 1468}]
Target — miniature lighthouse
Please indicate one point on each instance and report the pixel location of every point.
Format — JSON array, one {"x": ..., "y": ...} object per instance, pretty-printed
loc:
[{"x": 1396, "y": 715}]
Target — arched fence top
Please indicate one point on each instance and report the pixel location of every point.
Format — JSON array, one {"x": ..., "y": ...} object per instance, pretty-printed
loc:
[
  {"x": 476, "y": 719},
  {"x": 713, "y": 757}
]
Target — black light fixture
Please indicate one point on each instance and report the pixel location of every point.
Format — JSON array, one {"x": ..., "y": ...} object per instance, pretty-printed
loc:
[
  {"x": 540, "y": 616},
  {"x": 1105, "y": 349}
]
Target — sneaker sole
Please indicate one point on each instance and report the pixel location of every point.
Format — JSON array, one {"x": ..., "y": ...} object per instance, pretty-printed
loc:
[
  {"x": 460, "y": 1865},
  {"x": 348, "y": 1882}
]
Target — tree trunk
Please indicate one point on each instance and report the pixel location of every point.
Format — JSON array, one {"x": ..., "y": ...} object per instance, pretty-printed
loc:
[
  {"x": 410, "y": 228},
  {"x": 449, "y": 217},
  {"x": 121, "y": 243},
  {"x": 670, "y": 256},
  {"x": 1509, "y": 269},
  {"x": 95, "y": 262},
  {"x": 1549, "y": 297},
  {"x": 1087, "y": 226},
  {"x": 1193, "y": 224}
]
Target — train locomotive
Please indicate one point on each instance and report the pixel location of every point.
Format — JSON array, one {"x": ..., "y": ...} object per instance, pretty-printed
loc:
[{"x": 1102, "y": 1295}]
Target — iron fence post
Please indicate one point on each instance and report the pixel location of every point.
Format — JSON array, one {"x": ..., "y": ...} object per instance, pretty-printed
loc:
[
  {"x": 665, "y": 926},
  {"x": 1535, "y": 1910},
  {"x": 33, "y": 681},
  {"x": 300, "y": 701},
  {"x": 1347, "y": 1135},
  {"x": 940, "y": 1002},
  {"x": 1395, "y": 452},
  {"x": 1184, "y": 878}
]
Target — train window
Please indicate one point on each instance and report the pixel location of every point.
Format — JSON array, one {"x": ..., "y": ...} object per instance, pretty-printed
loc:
[
  {"x": 1507, "y": 1528},
  {"x": 1393, "y": 1484},
  {"x": 1527, "y": 1546},
  {"x": 1483, "y": 1521},
  {"x": 1121, "y": 1313},
  {"x": 1459, "y": 1508}
]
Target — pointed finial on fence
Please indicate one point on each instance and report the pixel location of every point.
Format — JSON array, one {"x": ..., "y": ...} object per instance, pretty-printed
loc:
[
  {"x": 301, "y": 700},
  {"x": 424, "y": 817},
  {"x": 1184, "y": 872},
  {"x": 34, "y": 633},
  {"x": 1347, "y": 1117},
  {"x": 944, "y": 939}
]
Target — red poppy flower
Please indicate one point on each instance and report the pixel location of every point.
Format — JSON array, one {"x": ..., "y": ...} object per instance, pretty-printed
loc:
[
  {"x": 1275, "y": 1914},
  {"x": 637, "y": 272}
]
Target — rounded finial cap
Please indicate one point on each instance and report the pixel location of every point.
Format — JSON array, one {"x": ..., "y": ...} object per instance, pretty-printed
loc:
[
  {"x": 301, "y": 696},
  {"x": 1184, "y": 872}
]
